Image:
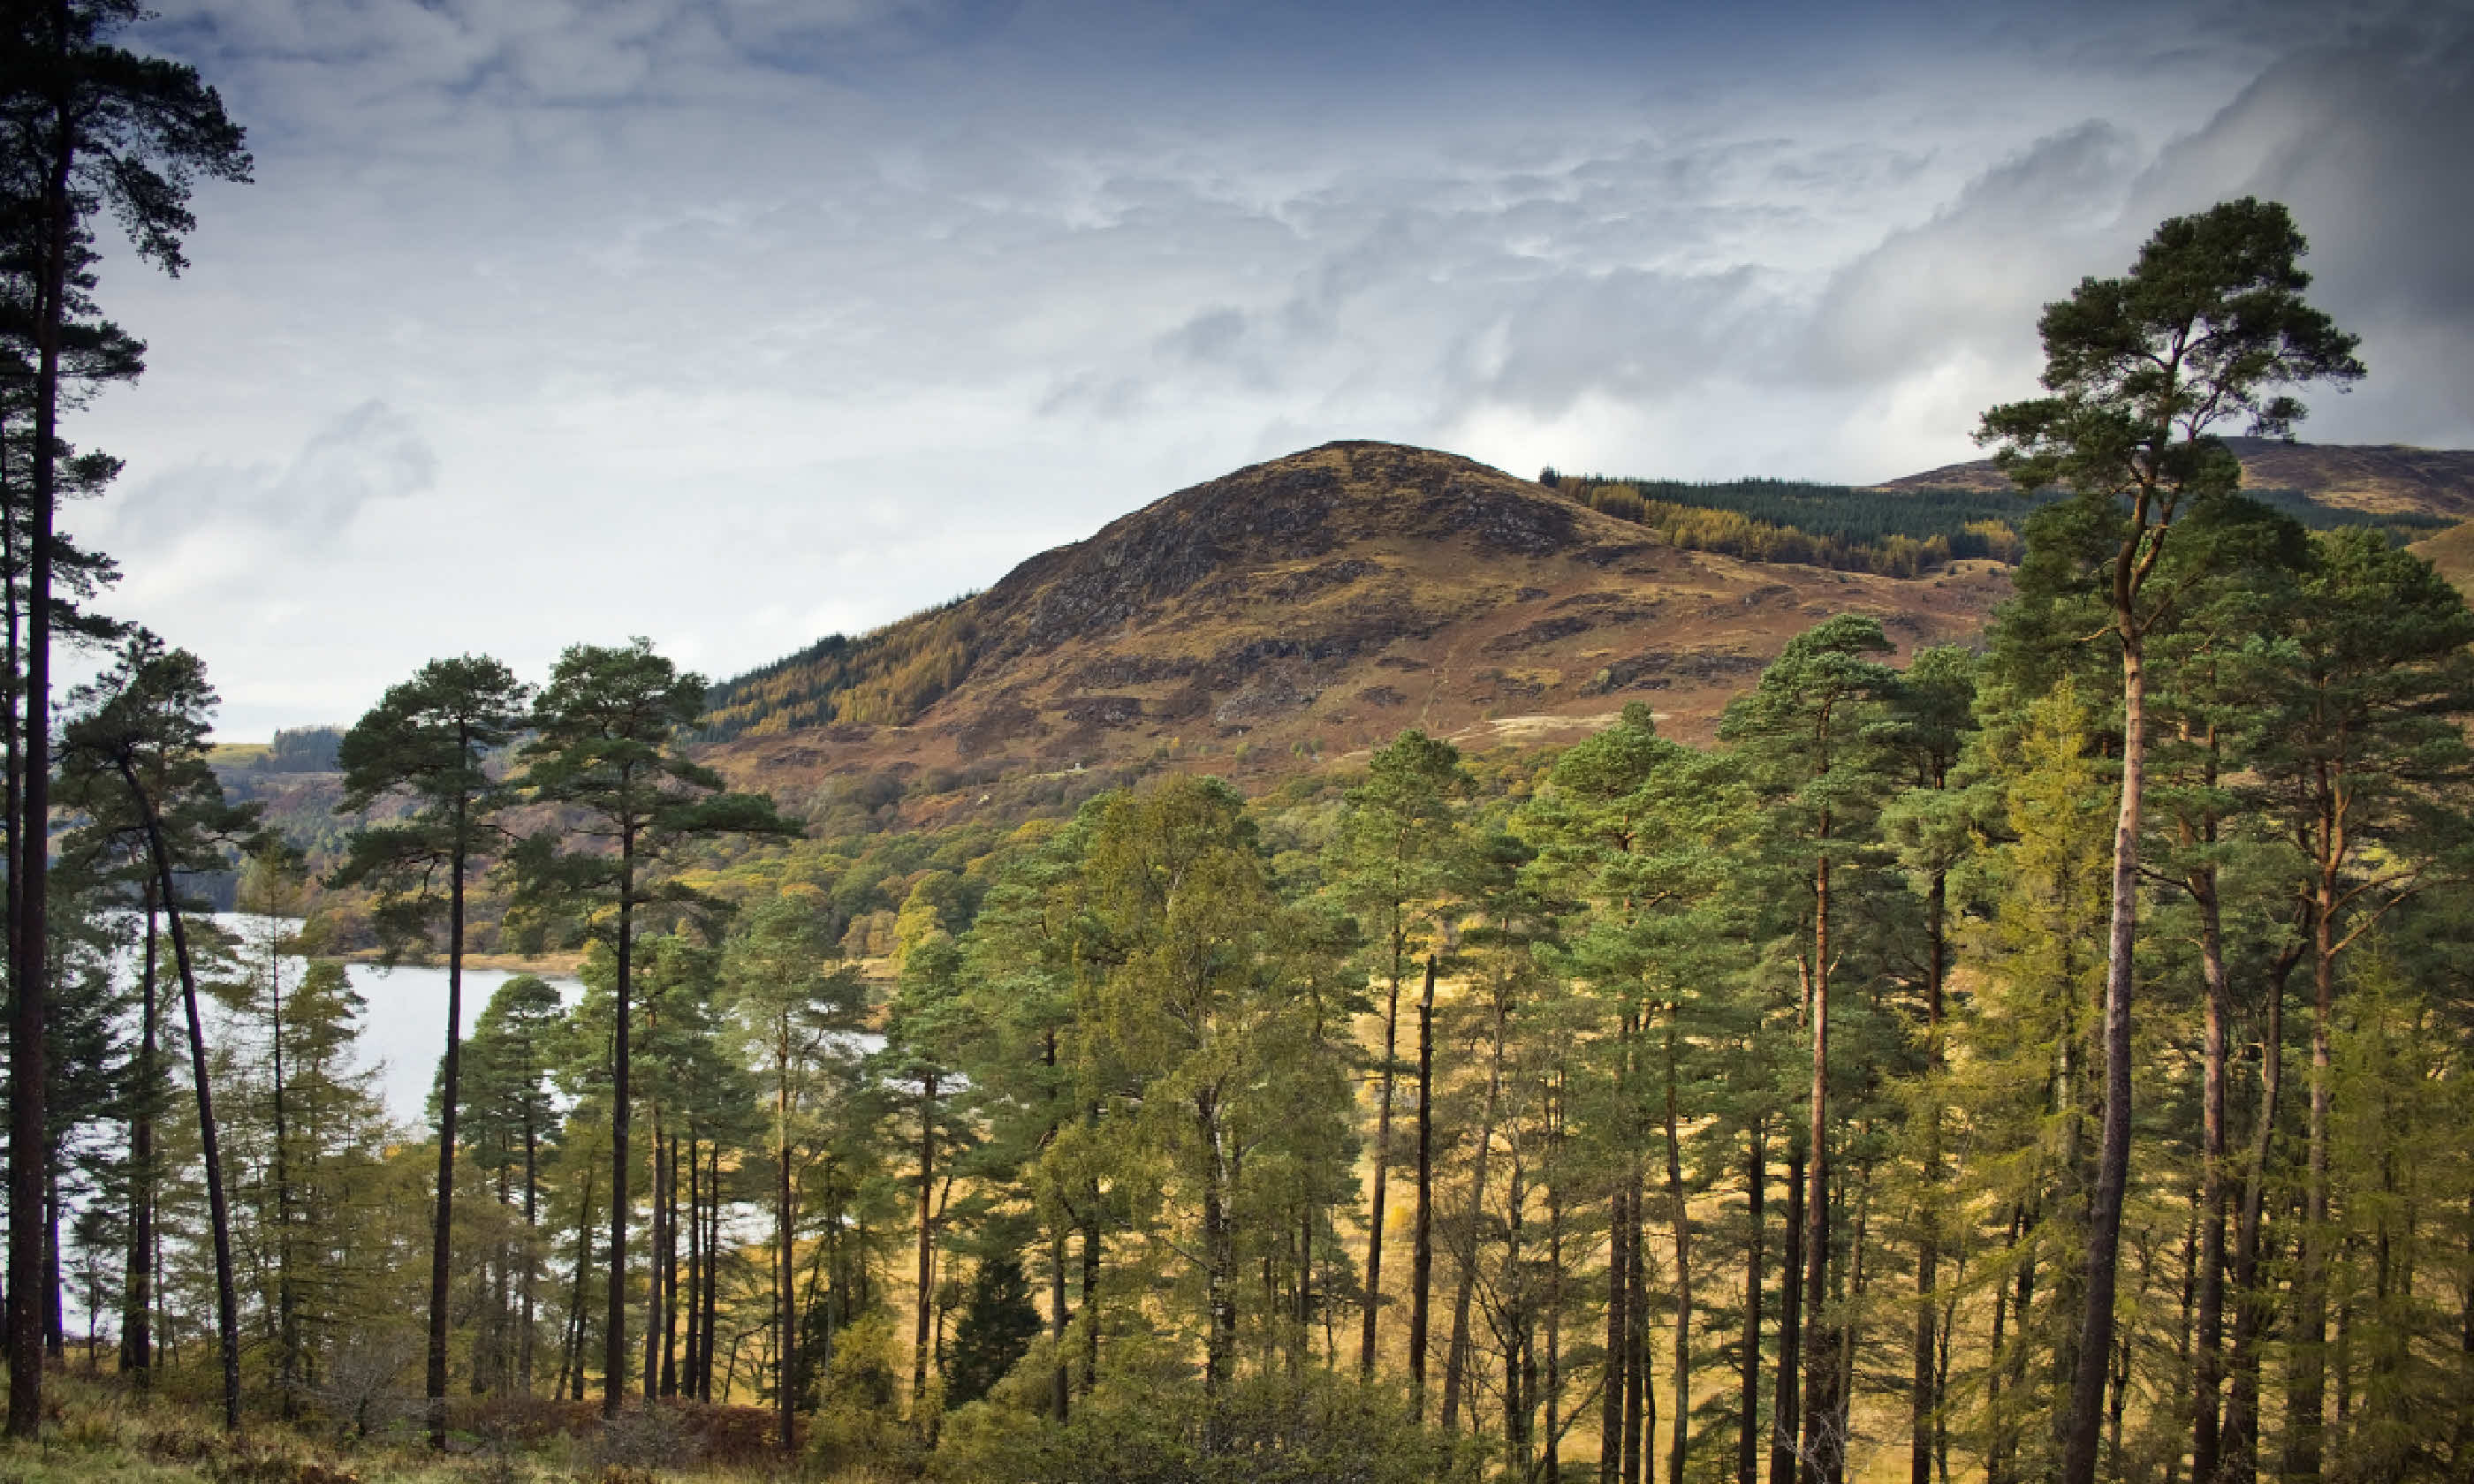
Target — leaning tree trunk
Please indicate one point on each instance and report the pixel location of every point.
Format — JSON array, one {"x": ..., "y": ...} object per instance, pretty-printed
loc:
[
  {"x": 218, "y": 1212},
  {"x": 1382, "y": 1174}
]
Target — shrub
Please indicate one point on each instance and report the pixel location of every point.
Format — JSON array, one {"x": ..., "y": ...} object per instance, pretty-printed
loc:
[{"x": 1144, "y": 1428}]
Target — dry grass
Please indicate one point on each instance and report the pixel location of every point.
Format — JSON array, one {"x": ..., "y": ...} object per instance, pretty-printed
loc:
[{"x": 99, "y": 1432}]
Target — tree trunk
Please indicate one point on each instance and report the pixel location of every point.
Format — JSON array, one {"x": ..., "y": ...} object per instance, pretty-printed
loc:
[
  {"x": 1923, "y": 1397},
  {"x": 1640, "y": 1400},
  {"x": 287, "y": 1310},
  {"x": 2208, "y": 1360},
  {"x": 2239, "y": 1443},
  {"x": 1421, "y": 1259},
  {"x": 712, "y": 1270},
  {"x": 441, "y": 1226},
  {"x": 2306, "y": 1365},
  {"x": 30, "y": 873},
  {"x": 532, "y": 1251},
  {"x": 614, "y": 1340},
  {"x": 218, "y": 1212},
  {"x": 1220, "y": 1271},
  {"x": 924, "y": 1311},
  {"x": 1785, "y": 1407},
  {"x": 2113, "y": 1168},
  {"x": 1456, "y": 1356},
  {"x": 654, "y": 1236},
  {"x": 1382, "y": 1173},
  {"x": 786, "y": 1323},
  {"x": 1610, "y": 1414},
  {"x": 1748, "y": 1414},
  {"x": 670, "y": 1264},
  {"x": 1820, "y": 1361},
  {"x": 1681, "y": 1378},
  {"x": 138, "y": 1290},
  {"x": 1552, "y": 1455}
]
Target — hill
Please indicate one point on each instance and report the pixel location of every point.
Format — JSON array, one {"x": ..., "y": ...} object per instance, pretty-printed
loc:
[
  {"x": 1306, "y": 607},
  {"x": 2379, "y": 478}
]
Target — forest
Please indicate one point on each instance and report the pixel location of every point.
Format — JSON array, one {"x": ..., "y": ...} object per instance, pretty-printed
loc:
[
  {"x": 1896, "y": 532},
  {"x": 2038, "y": 1059}
]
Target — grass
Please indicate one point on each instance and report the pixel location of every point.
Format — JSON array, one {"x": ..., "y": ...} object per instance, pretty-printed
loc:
[{"x": 97, "y": 1431}]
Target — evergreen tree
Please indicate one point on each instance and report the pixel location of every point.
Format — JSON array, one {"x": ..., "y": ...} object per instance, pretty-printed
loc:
[
  {"x": 91, "y": 126},
  {"x": 2208, "y": 325},
  {"x": 429, "y": 741},
  {"x": 605, "y": 754},
  {"x": 142, "y": 725}
]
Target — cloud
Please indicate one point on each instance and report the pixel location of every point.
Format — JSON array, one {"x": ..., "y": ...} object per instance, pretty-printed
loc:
[
  {"x": 2369, "y": 145},
  {"x": 368, "y": 455}
]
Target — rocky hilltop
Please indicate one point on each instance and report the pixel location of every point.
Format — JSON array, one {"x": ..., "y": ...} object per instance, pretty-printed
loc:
[{"x": 1306, "y": 607}]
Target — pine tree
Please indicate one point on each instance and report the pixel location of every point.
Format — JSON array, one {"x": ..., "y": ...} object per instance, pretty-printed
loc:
[
  {"x": 2208, "y": 325},
  {"x": 605, "y": 751},
  {"x": 95, "y": 125}
]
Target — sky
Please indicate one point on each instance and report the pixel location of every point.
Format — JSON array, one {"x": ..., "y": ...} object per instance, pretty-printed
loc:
[{"x": 735, "y": 323}]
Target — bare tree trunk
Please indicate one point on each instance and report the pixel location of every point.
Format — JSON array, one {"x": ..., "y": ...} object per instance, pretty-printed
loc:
[
  {"x": 1456, "y": 1356},
  {"x": 137, "y": 1291},
  {"x": 2208, "y": 1360},
  {"x": 2113, "y": 1166},
  {"x": 1923, "y": 1397},
  {"x": 1785, "y": 1407},
  {"x": 613, "y": 1339},
  {"x": 1382, "y": 1173},
  {"x": 1640, "y": 1399},
  {"x": 785, "y": 1322},
  {"x": 1552, "y": 1456},
  {"x": 1747, "y": 1416},
  {"x": 532, "y": 1249},
  {"x": 1611, "y": 1426},
  {"x": 2306, "y": 1365},
  {"x": 924, "y": 1311},
  {"x": 1681, "y": 1378},
  {"x": 1820, "y": 1361},
  {"x": 2239, "y": 1449},
  {"x": 218, "y": 1211},
  {"x": 712, "y": 1270},
  {"x": 1421, "y": 1259},
  {"x": 442, "y": 1222},
  {"x": 30, "y": 874}
]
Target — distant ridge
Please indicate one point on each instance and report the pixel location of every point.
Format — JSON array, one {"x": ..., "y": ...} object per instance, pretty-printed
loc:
[{"x": 2387, "y": 478}]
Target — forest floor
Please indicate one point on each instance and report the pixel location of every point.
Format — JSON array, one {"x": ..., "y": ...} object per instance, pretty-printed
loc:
[{"x": 98, "y": 1432}]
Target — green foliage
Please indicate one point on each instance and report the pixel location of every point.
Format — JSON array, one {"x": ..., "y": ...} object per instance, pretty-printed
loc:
[
  {"x": 1142, "y": 1427},
  {"x": 997, "y": 1325}
]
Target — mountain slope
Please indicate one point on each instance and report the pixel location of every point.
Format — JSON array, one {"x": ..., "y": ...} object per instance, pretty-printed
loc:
[
  {"x": 1310, "y": 605},
  {"x": 2387, "y": 478}
]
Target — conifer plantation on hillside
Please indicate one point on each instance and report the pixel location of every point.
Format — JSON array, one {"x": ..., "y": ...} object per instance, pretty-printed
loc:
[{"x": 2039, "y": 1057}]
